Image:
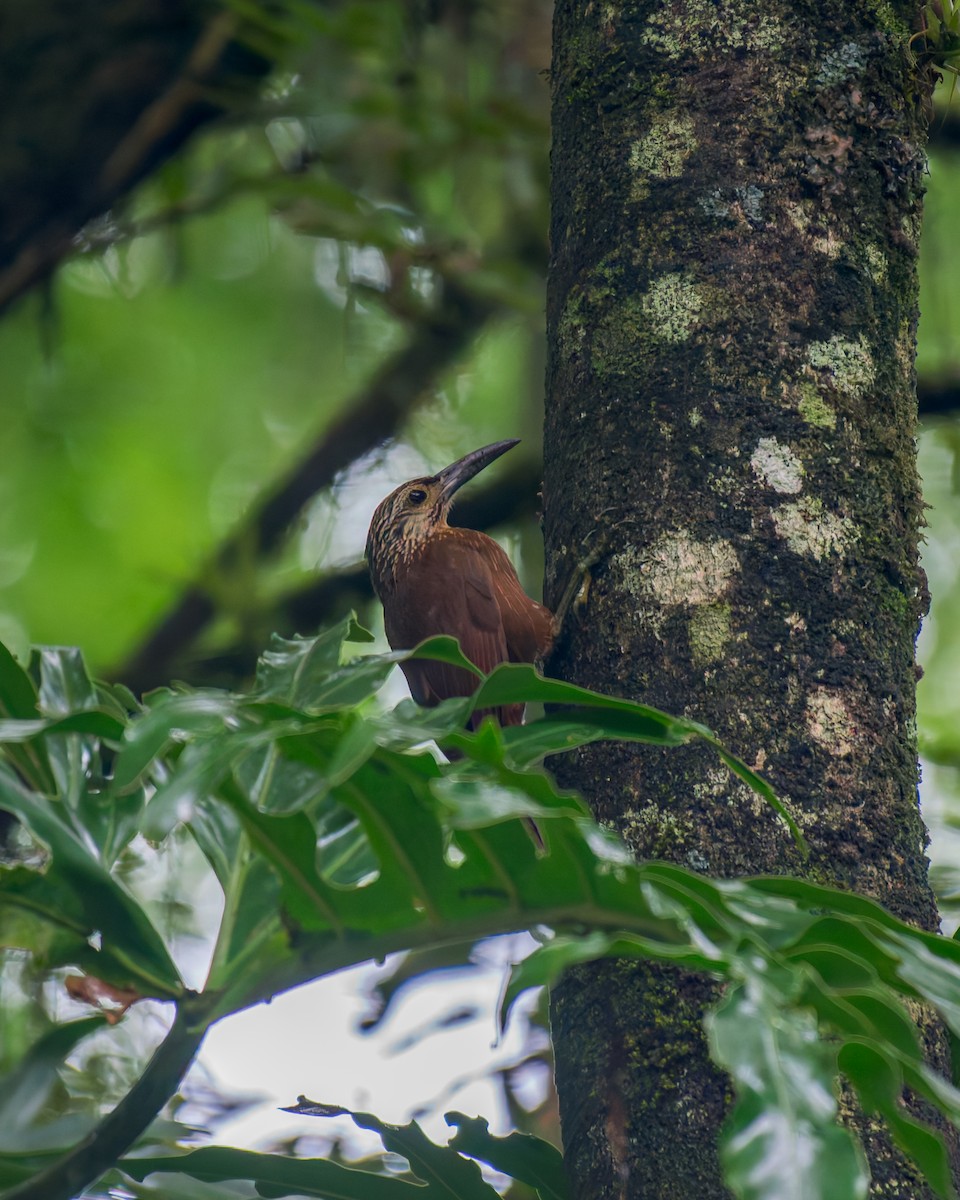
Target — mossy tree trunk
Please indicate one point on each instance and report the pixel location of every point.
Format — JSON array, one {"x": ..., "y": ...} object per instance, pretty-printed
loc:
[{"x": 730, "y": 421}]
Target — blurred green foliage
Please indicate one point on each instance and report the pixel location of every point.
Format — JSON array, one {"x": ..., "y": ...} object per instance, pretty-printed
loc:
[{"x": 180, "y": 364}]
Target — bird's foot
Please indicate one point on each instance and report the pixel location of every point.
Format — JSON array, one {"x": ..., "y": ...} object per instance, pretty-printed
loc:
[{"x": 577, "y": 591}]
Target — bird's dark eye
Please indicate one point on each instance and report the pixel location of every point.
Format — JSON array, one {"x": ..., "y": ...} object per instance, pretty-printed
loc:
[{"x": 416, "y": 495}]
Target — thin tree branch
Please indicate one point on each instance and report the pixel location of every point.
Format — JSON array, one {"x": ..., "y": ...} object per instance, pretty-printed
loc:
[
  {"x": 939, "y": 397},
  {"x": 373, "y": 417},
  {"x": 945, "y": 129},
  {"x": 120, "y": 1129},
  {"x": 112, "y": 91}
]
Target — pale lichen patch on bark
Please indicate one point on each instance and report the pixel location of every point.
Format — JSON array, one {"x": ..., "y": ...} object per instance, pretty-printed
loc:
[
  {"x": 701, "y": 27},
  {"x": 844, "y": 62},
  {"x": 673, "y": 303},
  {"x": 850, "y": 363},
  {"x": 679, "y": 569},
  {"x": 814, "y": 409},
  {"x": 709, "y": 632},
  {"x": 662, "y": 151},
  {"x": 827, "y": 244},
  {"x": 808, "y": 528},
  {"x": 653, "y": 828},
  {"x": 876, "y": 263},
  {"x": 747, "y": 201},
  {"x": 829, "y": 721},
  {"x": 800, "y": 217},
  {"x": 777, "y": 466}
]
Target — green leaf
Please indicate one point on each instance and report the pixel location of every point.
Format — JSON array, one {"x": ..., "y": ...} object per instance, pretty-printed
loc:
[
  {"x": 476, "y": 803},
  {"x": 879, "y": 1083},
  {"x": 98, "y": 723},
  {"x": 170, "y": 718},
  {"x": 520, "y": 1155},
  {"x": 200, "y": 771},
  {"x": 304, "y": 672},
  {"x": 440, "y": 1168},
  {"x": 18, "y": 696},
  {"x": 48, "y": 907},
  {"x": 65, "y": 686},
  {"x": 129, "y": 937},
  {"x": 443, "y": 649},
  {"x": 277, "y": 1175},
  {"x": 26, "y": 1089},
  {"x": 781, "y": 1141},
  {"x": 19, "y": 703},
  {"x": 409, "y": 725},
  {"x": 591, "y": 717},
  {"x": 289, "y": 844},
  {"x": 436, "y": 1165},
  {"x": 438, "y": 1172},
  {"x": 285, "y": 775}
]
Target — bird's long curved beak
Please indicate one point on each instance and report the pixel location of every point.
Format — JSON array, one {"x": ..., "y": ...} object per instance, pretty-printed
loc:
[{"x": 456, "y": 475}]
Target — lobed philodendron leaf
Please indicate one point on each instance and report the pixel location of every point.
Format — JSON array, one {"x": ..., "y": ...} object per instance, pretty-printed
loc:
[
  {"x": 521, "y": 1156},
  {"x": 336, "y": 839},
  {"x": 436, "y": 1172},
  {"x": 132, "y": 949}
]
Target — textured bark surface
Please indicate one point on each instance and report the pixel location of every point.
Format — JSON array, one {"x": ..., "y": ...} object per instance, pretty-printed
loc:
[{"x": 730, "y": 421}]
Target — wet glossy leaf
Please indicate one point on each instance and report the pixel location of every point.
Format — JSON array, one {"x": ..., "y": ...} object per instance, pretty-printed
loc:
[
  {"x": 519, "y": 1156},
  {"x": 781, "y": 1140},
  {"x": 436, "y": 1172},
  {"x": 18, "y": 695},
  {"x": 102, "y": 902},
  {"x": 19, "y": 706},
  {"x": 298, "y": 672},
  {"x": 26, "y": 1089},
  {"x": 879, "y": 1083},
  {"x": 171, "y": 718}
]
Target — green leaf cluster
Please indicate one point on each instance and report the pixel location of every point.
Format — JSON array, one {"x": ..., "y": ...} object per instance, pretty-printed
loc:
[{"x": 337, "y": 836}]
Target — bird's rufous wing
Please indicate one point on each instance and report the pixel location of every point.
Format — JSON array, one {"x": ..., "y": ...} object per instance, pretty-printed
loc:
[{"x": 449, "y": 589}]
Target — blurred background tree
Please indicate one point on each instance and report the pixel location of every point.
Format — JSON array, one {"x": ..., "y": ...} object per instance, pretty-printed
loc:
[{"x": 261, "y": 261}]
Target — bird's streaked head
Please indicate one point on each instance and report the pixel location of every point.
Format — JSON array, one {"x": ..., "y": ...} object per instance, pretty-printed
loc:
[{"x": 416, "y": 510}]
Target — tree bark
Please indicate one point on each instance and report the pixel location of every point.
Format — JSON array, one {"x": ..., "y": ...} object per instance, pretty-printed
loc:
[{"x": 731, "y": 405}]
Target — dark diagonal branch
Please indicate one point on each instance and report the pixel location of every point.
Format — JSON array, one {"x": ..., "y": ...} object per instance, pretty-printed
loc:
[
  {"x": 70, "y": 1175},
  {"x": 939, "y": 397},
  {"x": 110, "y": 91},
  {"x": 945, "y": 129},
  {"x": 371, "y": 418}
]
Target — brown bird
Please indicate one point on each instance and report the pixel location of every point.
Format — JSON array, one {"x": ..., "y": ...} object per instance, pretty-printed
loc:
[{"x": 434, "y": 579}]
